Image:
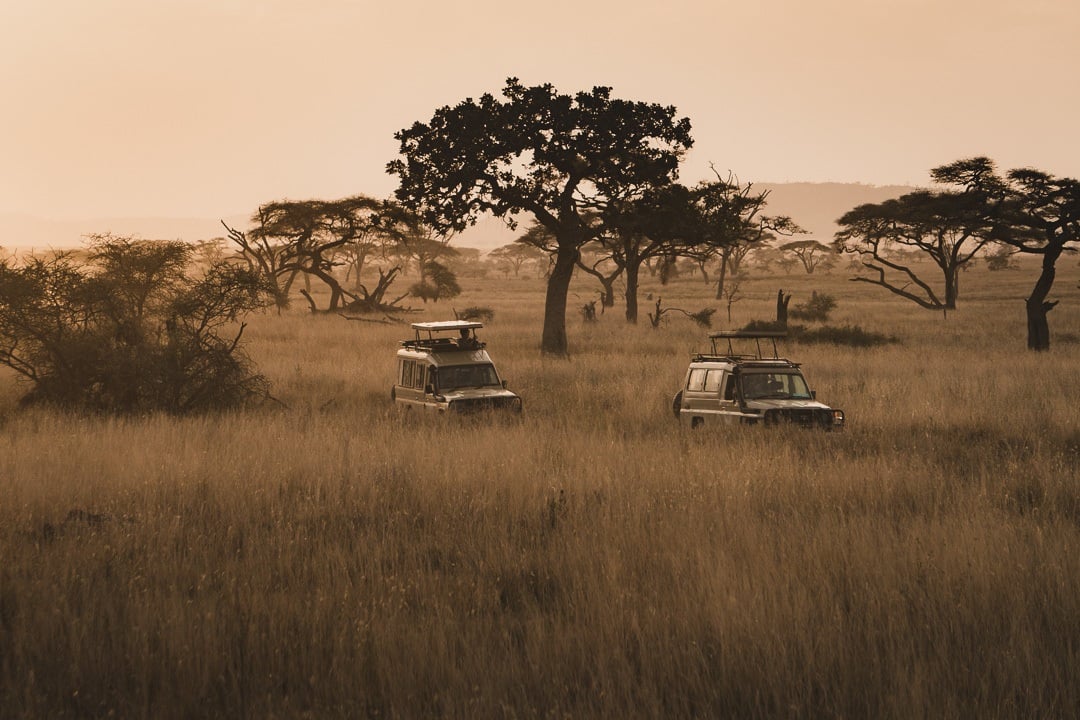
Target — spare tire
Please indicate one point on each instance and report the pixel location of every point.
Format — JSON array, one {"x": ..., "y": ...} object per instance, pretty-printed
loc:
[{"x": 676, "y": 404}]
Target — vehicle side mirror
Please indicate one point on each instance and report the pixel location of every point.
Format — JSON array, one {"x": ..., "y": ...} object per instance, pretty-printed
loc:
[
  {"x": 504, "y": 384},
  {"x": 430, "y": 389},
  {"x": 813, "y": 394}
]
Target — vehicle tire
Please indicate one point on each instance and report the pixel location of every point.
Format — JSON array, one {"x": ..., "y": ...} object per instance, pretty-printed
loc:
[{"x": 676, "y": 404}]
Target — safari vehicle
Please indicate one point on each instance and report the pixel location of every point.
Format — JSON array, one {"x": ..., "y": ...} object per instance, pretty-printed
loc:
[
  {"x": 445, "y": 368},
  {"x": 749, "y": 388}
]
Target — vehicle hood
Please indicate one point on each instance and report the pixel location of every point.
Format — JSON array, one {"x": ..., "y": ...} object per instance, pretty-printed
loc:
[
  {"x": 474, "y": 393},
  {"x": 785, "y": 404}
]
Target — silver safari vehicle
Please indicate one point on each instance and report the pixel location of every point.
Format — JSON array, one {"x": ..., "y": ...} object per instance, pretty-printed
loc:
[
  {"x": 728, "y": 387},
  {"x": 445, "y": 368}
]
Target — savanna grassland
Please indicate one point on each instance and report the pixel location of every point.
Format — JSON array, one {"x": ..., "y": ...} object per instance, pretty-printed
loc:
[{"x": 326, "y": 558}]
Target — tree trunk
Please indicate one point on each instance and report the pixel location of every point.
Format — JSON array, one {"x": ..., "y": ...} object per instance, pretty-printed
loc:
[
  {"x": 1037, "y": 306},
  {"x": 358, "y": 267},
  {"x": 632, "y": 270},
  {"x": 723, "y": 274},
  {"x": 952, "y": 288},
  {"x": 553, "y": 340},
  {"x": 607, "y": 298},
  {"x": 781, "y": 308},
  {"x": 1038, "y": 326},
  {"x": 667, "y": 269}
]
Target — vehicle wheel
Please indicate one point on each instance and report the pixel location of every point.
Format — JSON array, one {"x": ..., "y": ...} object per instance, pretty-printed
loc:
[{"x": 676, "y": 404}]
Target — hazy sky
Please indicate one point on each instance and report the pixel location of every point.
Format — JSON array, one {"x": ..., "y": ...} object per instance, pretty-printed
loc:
[{"x": 210, "y": 107}]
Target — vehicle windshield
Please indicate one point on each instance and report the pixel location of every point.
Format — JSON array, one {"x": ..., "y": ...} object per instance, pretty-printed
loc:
[
  {"x": 759, "y": 386},
  {"x": 452, "y": 377}
]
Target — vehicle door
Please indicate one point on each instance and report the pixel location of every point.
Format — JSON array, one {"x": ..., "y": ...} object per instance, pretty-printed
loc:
[
  {"x": 728, "y": 410},
  {"x": 411, "y": 377},
  {"x": 702, "y": 396}
]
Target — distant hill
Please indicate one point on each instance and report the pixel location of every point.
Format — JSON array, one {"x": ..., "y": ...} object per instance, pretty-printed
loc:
[
  {"x": 817, "y": 206},
  {"x": 19, "y": 230},
  {"x": 814, "y": 206}
]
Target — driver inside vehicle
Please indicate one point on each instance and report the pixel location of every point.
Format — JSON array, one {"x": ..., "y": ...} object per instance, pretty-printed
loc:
[{"x": 753, "y": 385}]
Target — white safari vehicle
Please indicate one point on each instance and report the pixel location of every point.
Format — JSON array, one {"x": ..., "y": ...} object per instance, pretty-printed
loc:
[
  {"x": 445, "y": 368},
  {"x": 726, "y": 387}
]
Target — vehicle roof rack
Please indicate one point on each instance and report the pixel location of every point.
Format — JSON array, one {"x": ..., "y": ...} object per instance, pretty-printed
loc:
[
  {"x": 446, "y": 325},
  {"x": 757, "y": 336},
  {"x": 426, "y": 338}
]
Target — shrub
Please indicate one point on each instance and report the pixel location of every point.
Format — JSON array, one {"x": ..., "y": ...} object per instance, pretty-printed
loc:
[
  {"x": 850, "y": 335},
  {"x": 768, "y": 326},
  {"x": 484, "y": 314},
  {"x": 1002, "y": 257},
  {"x": 439, "y": 282},
  {"x": 816, "y": 309},
  {"x": 129, "y": 331}
]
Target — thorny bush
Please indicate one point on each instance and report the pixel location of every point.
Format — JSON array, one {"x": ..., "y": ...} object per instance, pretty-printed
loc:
[{"x": 130, "y": 329}]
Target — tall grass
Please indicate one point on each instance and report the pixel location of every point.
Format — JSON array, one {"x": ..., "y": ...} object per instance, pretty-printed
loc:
[{"x": 329, "y": 558}]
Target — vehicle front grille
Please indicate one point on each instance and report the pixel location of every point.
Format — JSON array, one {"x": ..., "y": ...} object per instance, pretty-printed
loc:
[
  {"x": 478, "y": 405},
  {"x": 805, "y": 417}
]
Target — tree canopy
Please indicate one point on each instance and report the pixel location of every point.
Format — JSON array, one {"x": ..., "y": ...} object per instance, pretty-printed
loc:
[
  {"x": 947, "y": 226},
  {"x": 312, "y": 237},
  {"x": 1035, "y": 213},
  {"x": 551, "y": 156}
]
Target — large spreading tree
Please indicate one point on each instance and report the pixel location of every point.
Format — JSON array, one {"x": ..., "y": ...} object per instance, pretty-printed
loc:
[
  {"x": 1033, "y": 211},
  {"x": 555, "y": 157},
  {"x": 312, "y": 237},
  {"x": 947, "y": 226}
]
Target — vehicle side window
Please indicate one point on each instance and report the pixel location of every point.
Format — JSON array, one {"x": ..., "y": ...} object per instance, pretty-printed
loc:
[
  {"x": 418, "y": 376},
  {"x": 697, "y": 380},
  {"x": 729, "y": 388},
  {"x": 406, "y": 373},
  {"x": 712, "y": 380}
]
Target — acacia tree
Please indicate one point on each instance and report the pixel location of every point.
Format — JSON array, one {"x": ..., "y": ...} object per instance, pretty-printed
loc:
[
  {"x": 647, "y": 228},
  {"x": 437, "y": 282},
  {"x": 305, "y": 237},
  {"x": 515, "y": 255},
  {"x": 1032, "y": 211},
  {"x": 810, "y": 253},
  {"x": 369, "y": 241},
  {"x": 414, "y": 241},
  {"x": 551, "y": 156},
  {"x": 596, "y": 257},
  {"x": 729, "y": 222},
  {"x": 598, "y": 260},
  {"x": 948, "y": 226}
]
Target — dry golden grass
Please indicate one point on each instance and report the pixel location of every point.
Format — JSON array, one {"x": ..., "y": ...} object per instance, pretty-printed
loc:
[{"x": 593, "y": 560}]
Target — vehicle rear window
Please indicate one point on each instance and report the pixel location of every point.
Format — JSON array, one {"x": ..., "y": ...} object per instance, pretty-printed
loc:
[
  {"x": 712, "y": 380},
  {"x": 697, "y": 380}
]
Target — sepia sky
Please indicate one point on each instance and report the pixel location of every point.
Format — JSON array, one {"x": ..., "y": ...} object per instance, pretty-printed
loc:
[{"x": 206, "y": 108}]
